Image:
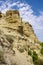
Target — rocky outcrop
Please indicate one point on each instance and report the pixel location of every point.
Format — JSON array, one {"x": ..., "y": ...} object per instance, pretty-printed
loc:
[
  {"x": 15, "y": 36},
  {"x": 12, "y": 12}
]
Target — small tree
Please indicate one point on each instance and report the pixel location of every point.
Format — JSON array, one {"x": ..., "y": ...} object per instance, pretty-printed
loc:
[{"x": 34, "y": 56}]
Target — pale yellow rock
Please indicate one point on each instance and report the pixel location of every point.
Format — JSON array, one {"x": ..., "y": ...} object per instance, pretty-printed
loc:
[{"x": 20, "y": 36}]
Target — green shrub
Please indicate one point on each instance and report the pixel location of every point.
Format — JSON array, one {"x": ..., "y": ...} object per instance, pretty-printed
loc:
[
  {"x": 41, "y": 44},
  {"x": 34, "y": 56},
  {"x": 41, "y": 51},
  {"x": 29, "y": 52},
  {"x": 36, "y": 60}
]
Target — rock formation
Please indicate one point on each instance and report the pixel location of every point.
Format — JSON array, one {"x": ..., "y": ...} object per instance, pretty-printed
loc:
[{"x": 16, "y": 35}]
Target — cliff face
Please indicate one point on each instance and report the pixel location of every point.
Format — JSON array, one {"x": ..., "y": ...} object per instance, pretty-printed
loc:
[
  {"x": 13, "y": 24},
  {"x": 15, "y": 35}
]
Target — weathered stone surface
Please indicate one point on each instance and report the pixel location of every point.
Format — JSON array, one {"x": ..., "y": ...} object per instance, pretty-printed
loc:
[
  {"x": 12, "y": 12},
  {"x": 16, "y": 36}
]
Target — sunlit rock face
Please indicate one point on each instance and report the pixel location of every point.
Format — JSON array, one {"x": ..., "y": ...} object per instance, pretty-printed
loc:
[
  {"x": 13, "y": 15},
  {"x": 12, "y": 12},
  {"x": 12, "y": 23},
  {"x": 16, "y": 35}
]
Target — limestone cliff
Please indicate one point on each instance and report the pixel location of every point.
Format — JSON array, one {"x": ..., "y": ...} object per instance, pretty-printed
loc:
[{"x": 15, "y": 35}]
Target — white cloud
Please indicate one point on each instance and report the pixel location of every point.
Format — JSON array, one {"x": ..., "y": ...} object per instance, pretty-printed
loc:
[{"x": 7, "y": 5}]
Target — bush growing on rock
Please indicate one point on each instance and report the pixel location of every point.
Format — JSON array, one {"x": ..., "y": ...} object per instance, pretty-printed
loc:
[
  {"x": 41, "y": 50},
  {"x": 29, "y": 52},
  {"x": 41, "y": 44},
  {"x": 34, "y": 56}
]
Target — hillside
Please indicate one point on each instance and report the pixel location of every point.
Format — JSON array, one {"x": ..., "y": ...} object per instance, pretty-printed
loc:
[{"x": 17, "y": 37}]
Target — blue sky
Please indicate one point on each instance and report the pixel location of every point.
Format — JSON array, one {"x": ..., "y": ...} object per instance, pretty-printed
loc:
[
  {"x": 30, "y": 11},
  {"x": 37, "y": 5}
]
